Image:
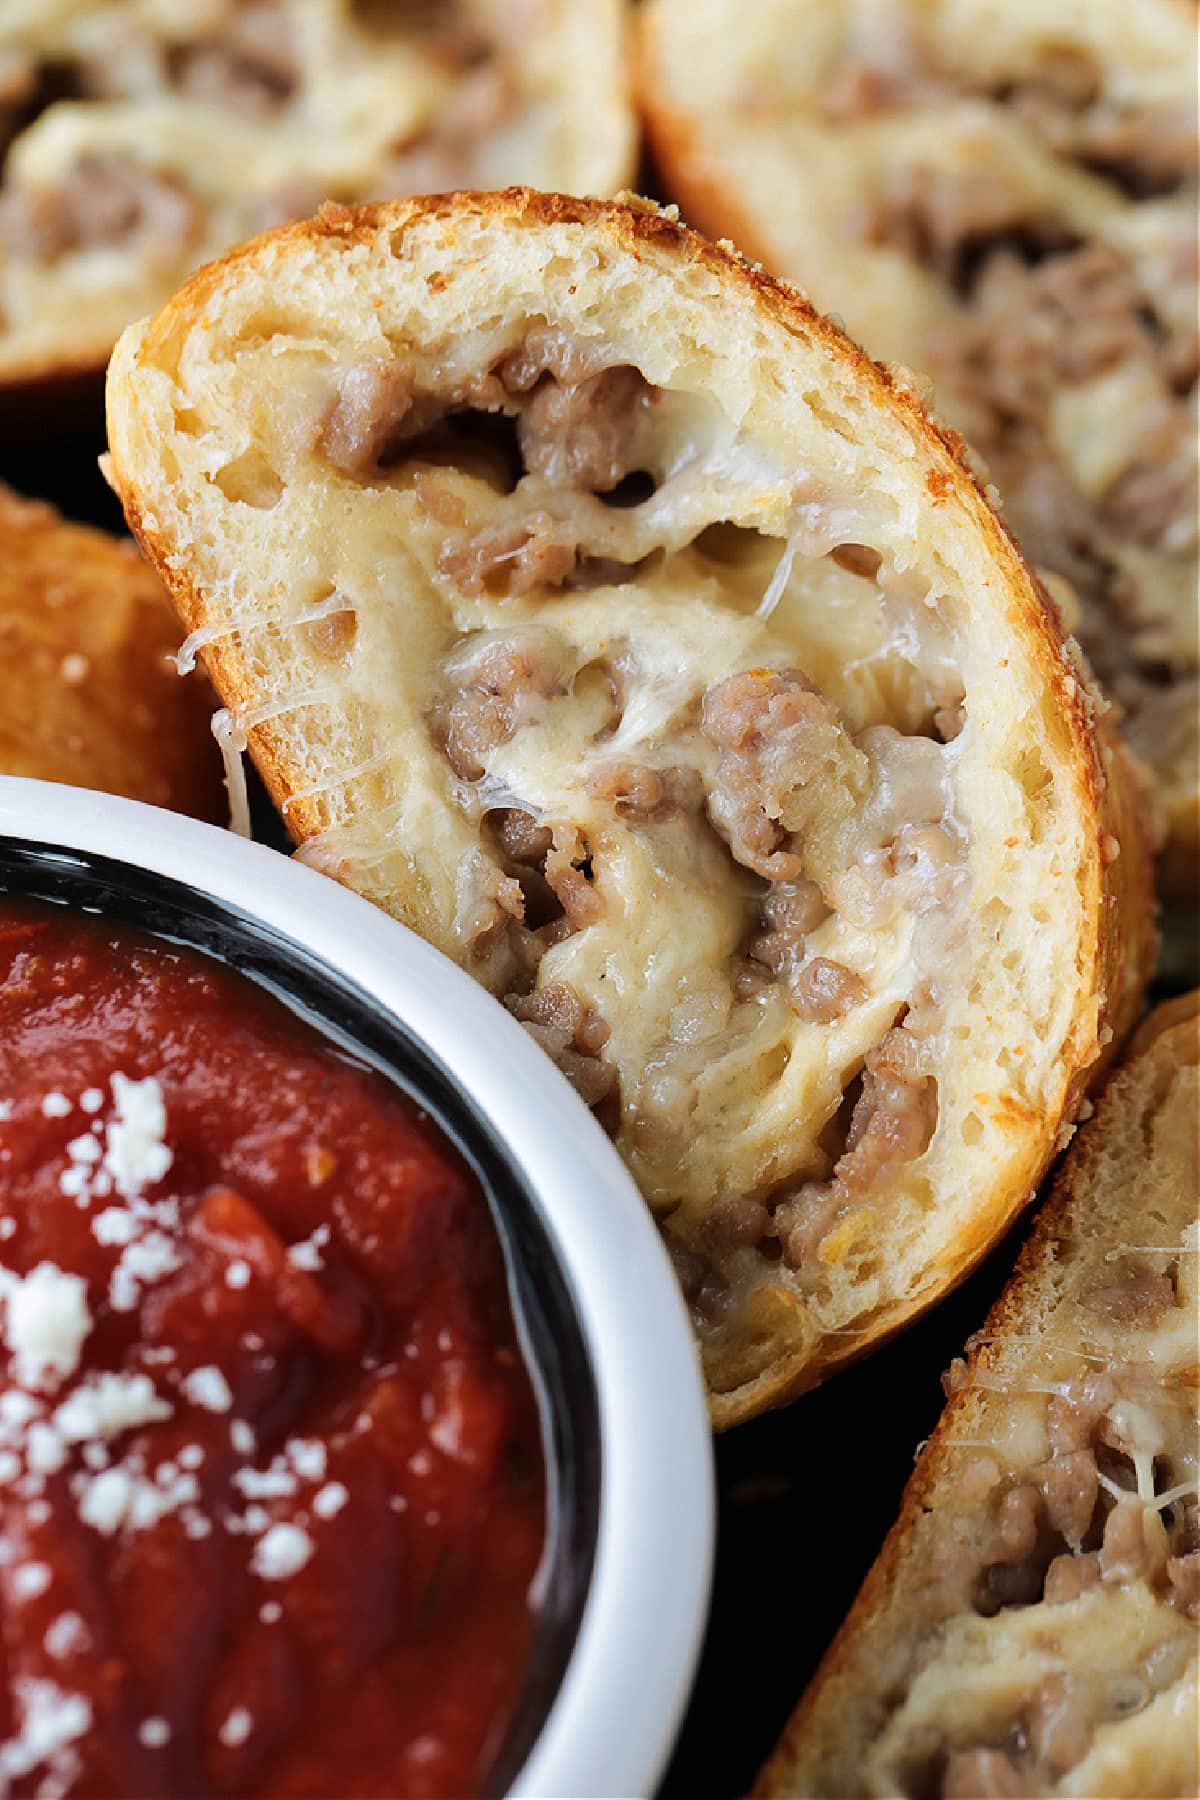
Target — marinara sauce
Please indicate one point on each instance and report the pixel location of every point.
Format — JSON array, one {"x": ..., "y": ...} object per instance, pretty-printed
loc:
[{"x": 271, "y": 1476}]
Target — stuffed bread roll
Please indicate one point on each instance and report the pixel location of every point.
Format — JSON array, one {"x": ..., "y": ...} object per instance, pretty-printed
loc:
[
  {"x": 594, "y": 606},
  {"x": 1004, "y": 196},
  {"x": 89, "y": 694},
  {"x": 141, "y": 137},
  {"x": 1031, "y": 1624}
]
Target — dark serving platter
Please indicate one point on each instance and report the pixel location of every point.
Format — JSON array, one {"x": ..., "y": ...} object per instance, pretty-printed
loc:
[{"x": 806, "y": 1495}]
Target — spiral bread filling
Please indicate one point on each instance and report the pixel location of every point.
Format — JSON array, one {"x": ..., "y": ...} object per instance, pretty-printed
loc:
[
  {"x": 683, "y": 729},
  {"x": 140, "y": 139},
  {"x": 588, "y": 739},
  {"x": 1008, "y": 204},
  {"x": 1031, "y": 1625}
]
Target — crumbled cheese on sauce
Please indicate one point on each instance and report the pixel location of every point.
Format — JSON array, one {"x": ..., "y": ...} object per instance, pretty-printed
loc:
[
  {"x": 30, "y": 1580},
  {"x": 55, "y": 1105},
  {"x": 237, "y": 1727},
  {"x": 237, "y": 1275},
  {"x": 16, "y": 1409},
  {"x": 106, "y": 1500},
  {"x": 121, "y": 1497},
  {"x": 45, "y": 1451},
  {"x": 280, "y": 1552},
  {"x": 144, "y": 1261},
  {"x": 241, "y": 1436},
  {"x": 51, "y": 1721},
  {"x": 137, "y": 1156},
  {"x": 154, "y": 1732},
  {"x": 46, "y": 1321},
  {"x": 67, "y": 1635},
  {"x": 107, "y": 1404},
  {"x": 115, "y": 1225},
  {"x": 207, "y": 1387},
  {"x": 306, "y": 1254},
  {"x": 307, "y": 1456},
  {"x": 330, "y": 1499},
  {"x": 91, "y": 1099},
  {"x": 275, "y": 1483}
]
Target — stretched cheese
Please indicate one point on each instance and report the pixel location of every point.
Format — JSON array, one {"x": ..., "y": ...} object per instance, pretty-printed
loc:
[{"x": 1031, "y": 1625}]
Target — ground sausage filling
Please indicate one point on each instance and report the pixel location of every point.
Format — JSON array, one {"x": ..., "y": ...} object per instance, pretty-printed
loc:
[
  {"x": 94, "y": 162},
  {"x": 1070, "y": 366},
  {"x": 1112, "y": 1505},
  {"x": 583, "y": 738}
]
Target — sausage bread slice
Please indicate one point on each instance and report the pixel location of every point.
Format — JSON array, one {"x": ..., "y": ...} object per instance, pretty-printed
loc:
[
  {"x": 1008, "y": 204},
  {"x": 596, "y": 607},
  {"x": 1031, "y": 1624},
  {"x": 88, "y": 689},
  {"x": 140, "y": 139}
]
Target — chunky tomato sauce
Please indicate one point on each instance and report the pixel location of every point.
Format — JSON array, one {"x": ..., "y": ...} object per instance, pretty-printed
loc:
[{"x": 271, "y": 1483}]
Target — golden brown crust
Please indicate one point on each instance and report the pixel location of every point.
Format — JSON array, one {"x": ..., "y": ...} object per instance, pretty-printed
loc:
[
  {"x": 891, "y": 1607},
  {"x": 1118, "y": 895},
  {"x": 88, "y": 695}
]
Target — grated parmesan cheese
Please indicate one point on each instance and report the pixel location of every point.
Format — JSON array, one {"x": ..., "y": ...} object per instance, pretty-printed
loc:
[
  {"x": 46, "y": 1322},
  {"x": 107, "y": 1404},
  {"x": 51, "y": 1721},
  {"x": 30, "y": 1580},
  {"x": 241, "y": 1436},
  {"x": 237, "y": 1727},
  {"x": 136, "y": 1155},
  {"x": 280, "y": 1552},
  {"x": 45, "y": 1451},
  {"x": 207, "y": 1387},
  {"x": 307, "y": 1456},
  {"x": 67, "y": 1635},
  {"x": 330, "y": 1499},
  {"x": 146, "y": 1260}
]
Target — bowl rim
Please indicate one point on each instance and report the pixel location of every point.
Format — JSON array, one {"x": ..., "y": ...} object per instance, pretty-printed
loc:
[
  {"x": 613, "y": 1720},
  {"x": 543, "y": 1306}
]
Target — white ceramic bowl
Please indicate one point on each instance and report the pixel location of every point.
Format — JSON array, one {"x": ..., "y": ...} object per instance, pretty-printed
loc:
[{"x": 610, "y": 1723}]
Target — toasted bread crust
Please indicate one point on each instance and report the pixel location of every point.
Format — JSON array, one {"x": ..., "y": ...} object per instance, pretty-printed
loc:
[
  {"x": 895, "y": 1627},
  {"x": 88, "y": 695},
  {"x": 1120, "y": 942}
]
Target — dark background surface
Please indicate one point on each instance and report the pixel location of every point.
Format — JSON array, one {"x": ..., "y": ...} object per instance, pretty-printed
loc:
[{"x": 806, "y": 1495}]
